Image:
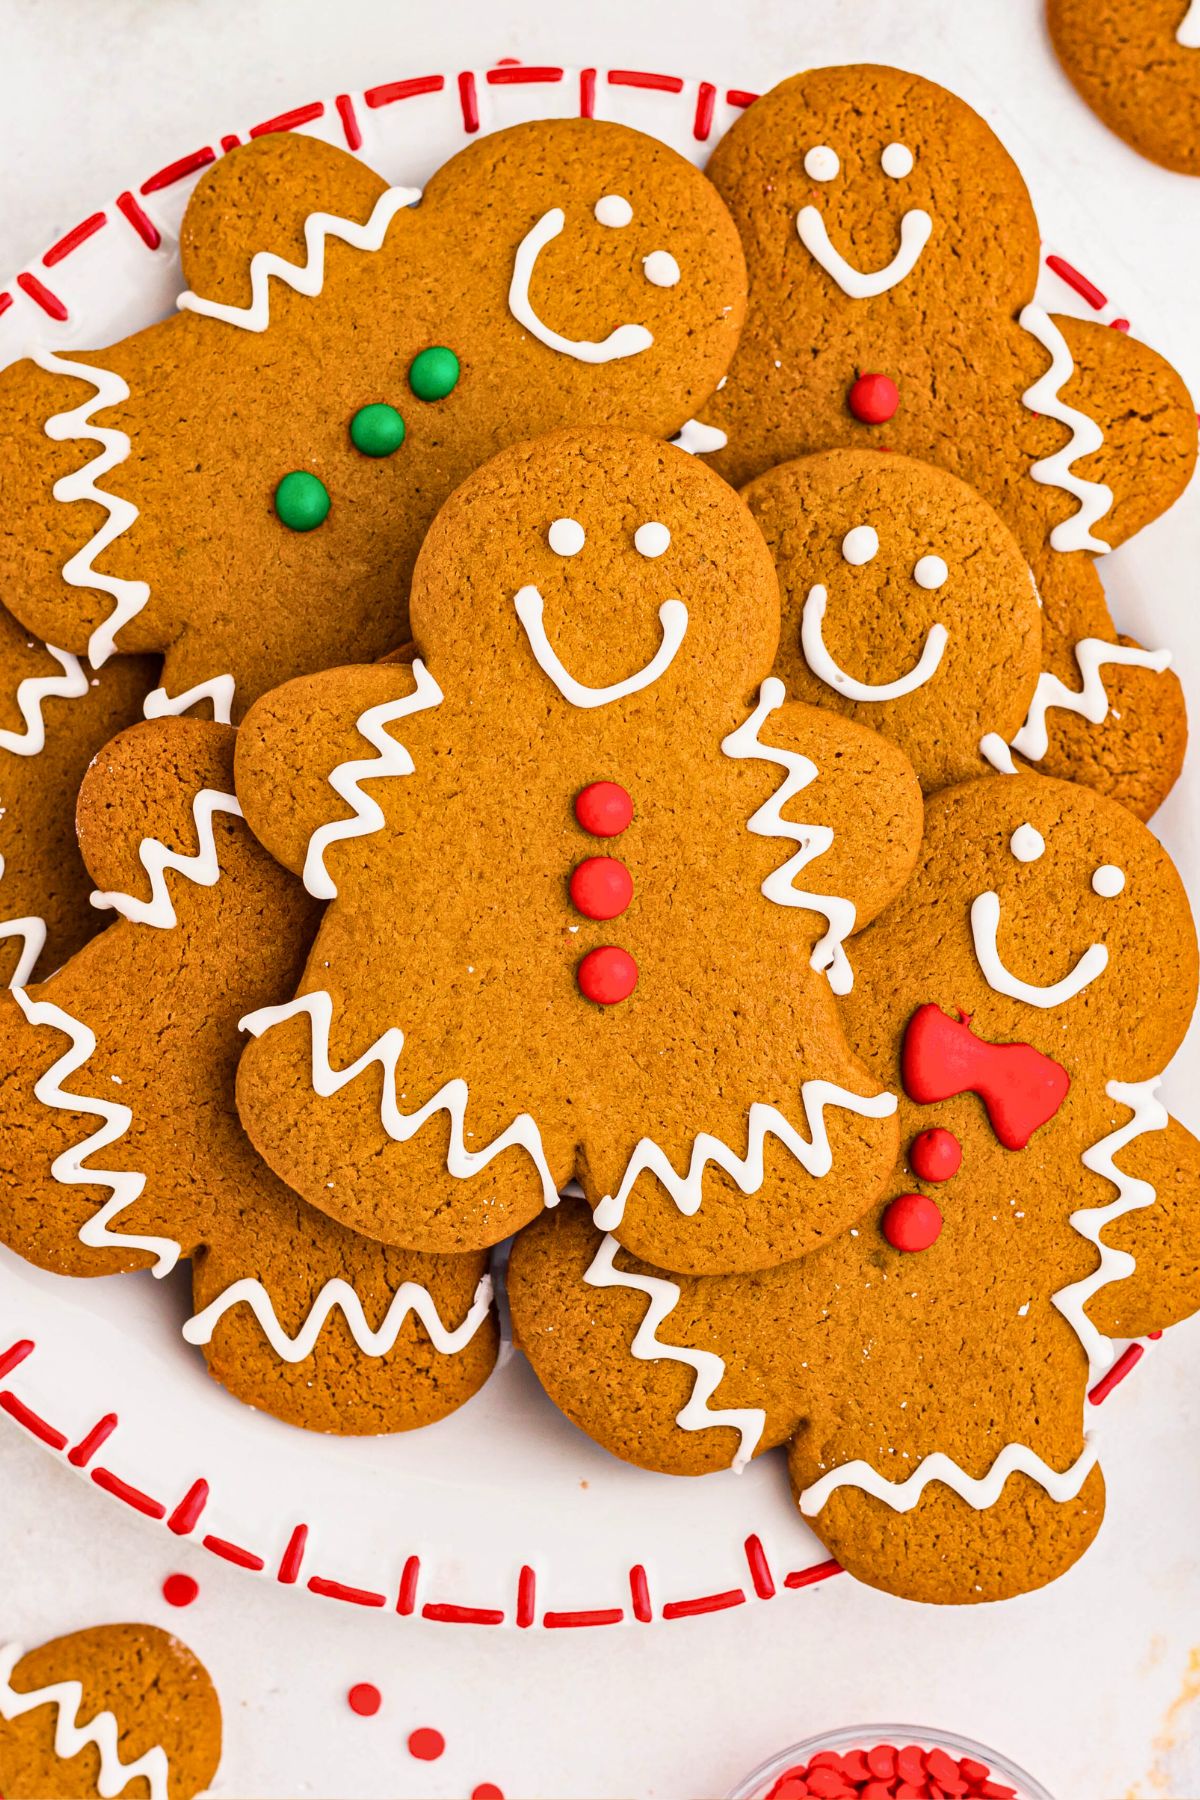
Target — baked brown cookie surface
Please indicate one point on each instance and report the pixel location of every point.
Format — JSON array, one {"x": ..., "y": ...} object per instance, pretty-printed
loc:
[
  {"x": 1137, "y": 65},
  {"x": 245, "y": 485},
  {"x": 121, "y": 1144},
  {"x": 116, "y": 1709},
  {"x": 590, "y": 887},
  {"x": 893, "y": 256},
  {"x": 907, "y": 605},
  {"x": 929, "y": 1366}
]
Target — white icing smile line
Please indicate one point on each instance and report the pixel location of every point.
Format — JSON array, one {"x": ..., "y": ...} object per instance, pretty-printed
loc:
[
  {"x": 707, "y": 1367},
  {"x": 672, "y": 615},
  {"x": 985, "y": 923},
  {"x": 339, "y": 1296},
  {"x": 70, "y": 1737},
  {"x": 202, "y": 866},
  {"x": 826, "y": 670},
  {"x": 915, "y": 227},
  {"x": 625, "y": 340},
  {"x": 902, "y": 1496}
]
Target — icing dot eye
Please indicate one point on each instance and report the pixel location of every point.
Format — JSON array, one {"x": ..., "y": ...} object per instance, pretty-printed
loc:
[
  {"x": 1026, "y": 843},
  {"x": 613, "y": 209},
  {"x": 897, "y": 161},
  {"x": 860, "y": 544},
  {"x": 566, "y": 537},
  {"x": 434, "y": 373},
  {"x": 377, "y": 430},
  {"x": 930, "y": 572},
  {"x": 821, "y": 163},
  {"x": 1108, "y": 881},
  {"x": 651, "y": 539},
  {"x": 301, "y": 501},
  {"x": 660, "y": 268}
]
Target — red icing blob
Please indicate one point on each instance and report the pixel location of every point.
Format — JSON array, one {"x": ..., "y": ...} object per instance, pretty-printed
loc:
[
  {"x": 365, "y": 1699},
  {"x": 1020, "y": 1087},
  {"x": 913, "y": 1222},
  {"x": 873, "y": 399},
  {"x": 604, "y": 809},
  {"x": 601, "y": 887},
  {"x": 607, "y": 975},
  {"x": 935, "y": 1155},
  {"x": 425, "y": 1743},
  {"x": 180, "y": 1590}
]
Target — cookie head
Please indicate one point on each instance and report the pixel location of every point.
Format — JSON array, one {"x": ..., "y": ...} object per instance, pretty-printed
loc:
[
  {"x": 907, "y": 604},
  {"x": 586, "y": 569}
]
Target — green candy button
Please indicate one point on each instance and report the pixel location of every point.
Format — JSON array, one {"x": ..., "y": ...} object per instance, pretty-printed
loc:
[
  {"x": 434, "y": 373},
  {"x": 377, "y": 430},
  {"x": 301, "y": 501}
]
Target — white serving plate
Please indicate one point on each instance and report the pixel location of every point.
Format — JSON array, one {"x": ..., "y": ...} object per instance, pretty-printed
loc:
[{"x": 503, "y": 1514}]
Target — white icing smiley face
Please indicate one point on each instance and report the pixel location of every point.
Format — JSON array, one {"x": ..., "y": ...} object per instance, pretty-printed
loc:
[
  {"x": 566, "y": 537},
  {"x": 1028, "y": 846},
  {"x": 659, "y": 268},
  {"x": 859, "y": 547},
  {"x": 822, "y": 163}
]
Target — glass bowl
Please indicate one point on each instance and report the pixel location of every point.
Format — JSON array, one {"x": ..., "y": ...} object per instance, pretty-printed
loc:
[{"x": 757, "y": 1785}]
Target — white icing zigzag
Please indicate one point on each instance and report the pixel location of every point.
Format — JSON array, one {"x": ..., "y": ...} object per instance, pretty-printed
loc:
[
  {"x": 129, "y": 597},
  {"x": 126, "y": 1184},
  {"x": 218, "y": 691},
  {"x": 1148, "y": 1114},
  {"x": 829, "y": 954},
  {"x": 706, "y": 1365},
  {"x": 1044, "y": 396},
  {"x": 32, "y": 932},
  {"x": 202, "y": 867},
  {"x": 70, "y": 1737},
  {"x": 410, "y": 1297},
  {"x": 72, "y": 684},
  {"x": 902, "y": 1496},
  {"x": 392, "y": 759},
  {"x": 1091, "y": 700},
  {"x": 306, "y": 278}
]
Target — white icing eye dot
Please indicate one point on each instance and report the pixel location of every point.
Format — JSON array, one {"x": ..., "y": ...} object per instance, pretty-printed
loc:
[
  {"x": 660, "y": 268},
  {"x": 860, "y": 544},
  {"x": 1026, "y": 843},
  {"x": 897, "y": 161},
  {"x": 613, "y": 209},
  {"x": 651, "y": 539},
  {"x": 566, "y": 537},
  {"x": 1108, "y": 881},
  {"x": 930, "y": 572},
  {"x": 821, "y": 163}
]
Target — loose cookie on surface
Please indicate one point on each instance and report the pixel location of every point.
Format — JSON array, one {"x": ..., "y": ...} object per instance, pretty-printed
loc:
[
  {"x": 586, "y": 885},
  {"x": 907, "y": 605},
  {"x": 117, "y": 1709},
  {"x": 245, "y": 485},
  {"x": 1022, "y": 996},
  {"x": 1137, "y": 65},
  {"x": 893, "y": 257},
  {"x": 122, "y": 1147}
]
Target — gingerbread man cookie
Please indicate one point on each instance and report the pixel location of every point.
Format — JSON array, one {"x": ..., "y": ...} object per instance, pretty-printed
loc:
[
  {"x": 1137, "y": 65},
  {"x": 117, "y": 1709},
  {"x": 1022, "y": 996},
  {"x": 590, "y": 885},
  {"x": 54, "y": 716},
  {"x": 122, "y": 1148},
  {"x": 907, "y": 605},
  {"x": 245, "y": 486},
  {"x": 893, "y": 257}
]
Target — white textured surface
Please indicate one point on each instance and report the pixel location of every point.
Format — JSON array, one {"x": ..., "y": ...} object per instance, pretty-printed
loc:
[{"x": 1078, "y": 1682}]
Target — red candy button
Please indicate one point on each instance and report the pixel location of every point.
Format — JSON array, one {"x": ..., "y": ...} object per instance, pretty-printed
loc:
[
  {"x": 791, "y": 1786},
  {"x": 601, "y": 887},
  {"x": 604, "y": 809},
  {"x": 180, "y": 1590},
  {"x": 365, "y": 1699},
  {"x": 607, "y": 975},
  {"x": 935, "y": 1155},
  {"x": 873, "y": 399},
  {"x": 912, "y": 1222},
  {"x": 425, "y": 1743}
]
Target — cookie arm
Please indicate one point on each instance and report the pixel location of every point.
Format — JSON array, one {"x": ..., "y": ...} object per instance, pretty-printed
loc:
[{"x": 1163, "y": 1238}]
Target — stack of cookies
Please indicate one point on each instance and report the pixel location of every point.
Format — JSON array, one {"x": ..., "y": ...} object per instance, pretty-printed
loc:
[{"x": 640, "y": 771}]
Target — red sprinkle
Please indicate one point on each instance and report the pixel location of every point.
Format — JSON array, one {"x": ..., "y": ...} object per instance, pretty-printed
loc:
[
  {"x": 882, "y": 1761},
  {"x": 425, "y": 1743},
  {"x": 910, "y": 1764},
  {"x": 790, "y": 1786},
  {"x": 601, "y": 887},
  {"x": 603, "y": 808},
  {"x": 607, "y": 975},
  {"x": 180, "y": 1590},
  {"x": 912, "y": 1222},
  {"x": 365, "y": 1699},
  {"x": 873, "y": 399},
  {"x": 935, "y": 1156},
  {"x": 972, "y": 1770}
]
